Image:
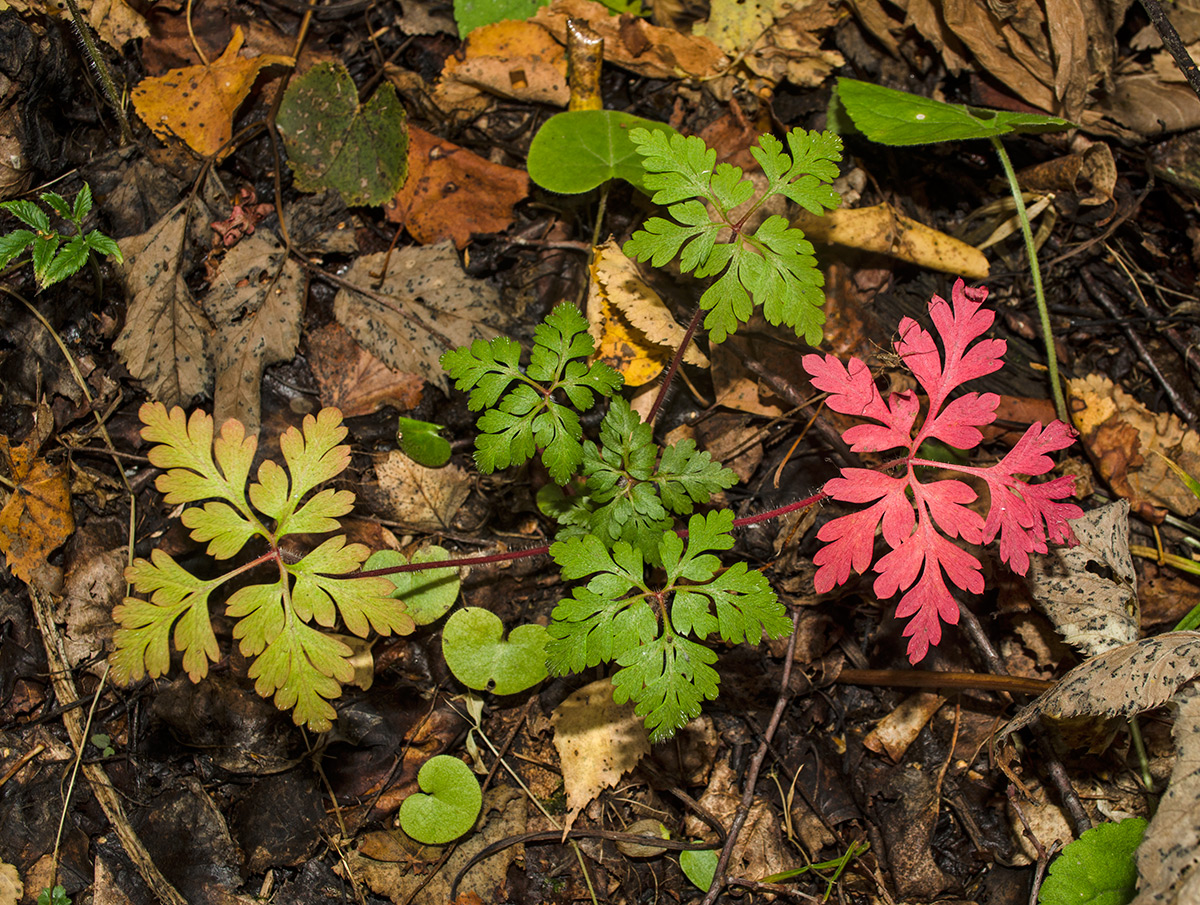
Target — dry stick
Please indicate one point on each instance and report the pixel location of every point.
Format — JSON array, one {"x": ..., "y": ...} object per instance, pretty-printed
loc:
[
  {"x": 1186, "y": 412},
  {"x": 1080, "y": 822},
  {"x": 102, "y": 787},
  {"x": 743, "y": 811},
  {"x": 1173, "y": 43}
]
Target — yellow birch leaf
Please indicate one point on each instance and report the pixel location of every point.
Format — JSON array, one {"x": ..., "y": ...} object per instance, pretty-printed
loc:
[
  {"x": 196, "y": 104},
  {"x": 633, "y": 329},
  {"x": 37, "y": 517},
  {"x": 884, "y": 230}
]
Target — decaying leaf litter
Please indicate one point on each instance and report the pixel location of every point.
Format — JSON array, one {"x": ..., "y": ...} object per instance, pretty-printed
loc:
[{"x": 354, "y": 296}]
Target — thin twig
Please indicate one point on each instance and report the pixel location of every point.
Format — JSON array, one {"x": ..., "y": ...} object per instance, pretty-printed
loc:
[{"x": 743, "y": 811}]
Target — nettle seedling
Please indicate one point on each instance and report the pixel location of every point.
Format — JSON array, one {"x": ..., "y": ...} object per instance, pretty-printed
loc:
[{"x": 55, "y": 256}]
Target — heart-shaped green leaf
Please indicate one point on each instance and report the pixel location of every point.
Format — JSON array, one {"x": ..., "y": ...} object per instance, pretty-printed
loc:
[
  {"x": 427, "y": 594},
  {"x": 699, "y": 866},
  {"x": 578, "y": 150},
  {"x": 333, "y": 143},
  {"x": 472, "y": 14},
  {"x": 422, "y": 442},
  {"x": 1098, "y": 868},
  {"x": 893, "y": 117},
  {"x": 475, "y": 650},
  {"x": 447, "y": 805}
]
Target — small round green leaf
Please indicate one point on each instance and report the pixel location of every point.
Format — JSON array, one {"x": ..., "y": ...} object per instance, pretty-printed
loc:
[
  {"x": 578, "y": 150},
  {"x": 893, "y": 117},
  {"x": 476, "y": 652},
  {"x": 422, "y": 442},
  {"x": 427, "y": 594},
  {"x": 700, "y": 866},
  {"x": 472, "y": 14},
  {"x": 447, "y": 805},
  {"x": 1098, "y": 868}
]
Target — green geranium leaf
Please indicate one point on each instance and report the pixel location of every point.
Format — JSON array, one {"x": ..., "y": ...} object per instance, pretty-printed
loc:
[
  {"x": 893, "y": 117},
  {"x": 578, "y": 150},
  {"x": 427, "y": 594},
  {"x": 1098, "y": 868},
  {"x": 472, "y": 14},
  {"x": 447, "y": 805},
  {"x": 422, "y": 442},
  {"x": 334, "y": 143},
  {"x": 475, "y": 650}
]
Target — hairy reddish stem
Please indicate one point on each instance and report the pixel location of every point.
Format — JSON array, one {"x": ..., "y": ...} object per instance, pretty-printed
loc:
[
  {"x": 545, "y": 548},
  {"x": 676, "y": 360}
]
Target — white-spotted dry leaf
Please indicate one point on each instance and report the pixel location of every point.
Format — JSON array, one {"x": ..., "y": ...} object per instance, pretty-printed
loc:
[
  {"x": 598, "y": 741},
  {"x": 430, "y": 307},
  {"x": 256, "y": 304},
  {"x": 165, "y": 340},
  {"x": 1169, "y": 857},
  {"x": 1089, "y": 591},
  {"x": 1126, "y": 680}
]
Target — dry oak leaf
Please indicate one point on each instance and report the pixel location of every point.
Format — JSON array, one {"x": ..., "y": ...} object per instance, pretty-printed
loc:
[
  {"x": 635, "y": 44},
  {"x": 166, "y": 336},
  {"x": 197, "y": 104},
  {"x": 256, "y": 303},
  {"x": 37, "y": 517},
  {"x": 451, "y": 193},
  {"x": 1122, "y": 436}
]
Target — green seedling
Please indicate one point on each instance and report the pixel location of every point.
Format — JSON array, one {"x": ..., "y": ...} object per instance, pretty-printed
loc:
[
  {"x": 333, "y": 142},
  {"x": 711, "y": 204},
  {"x": 102, "y": 741},
  {"x": 700, "y": 866},
  {"x": 55, "y": 256},
  {"x": 1098, "y": 868},
  {"x": 56, "y": 896},
  {"x": 472, "y": 14},
  {"x": 423, "y": 442},
  {"x": 647, "y": 627},
  {"x": 447, "y": 805},
  {"x": 579, "y": 150},
  {"x": 898, "y": 118},
  {"x": 837, "y": 865},
  {"x": 529, "y": 416},
  {"x": 476, "y": 651},
  {"x": 295, "y": 660},
  {"x": 427, "y": 594}
]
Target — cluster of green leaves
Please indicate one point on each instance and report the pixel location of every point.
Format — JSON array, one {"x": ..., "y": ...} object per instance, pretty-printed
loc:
[
  {"x": 54, "y": 261},
  {"x": 300, "y": 664},
  {"x": 528, "y": 417},
  {"x": 649, "y": 630},
  {"x": 711, "y": 204},
  {"x": 633, "y": 488}
]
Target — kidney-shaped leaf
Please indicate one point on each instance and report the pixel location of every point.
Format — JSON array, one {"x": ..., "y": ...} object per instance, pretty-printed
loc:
[
  {"x": 333, "y": 143},
  {"x": 427, "y": 594},
  {"x": 476, "y": 652},
  {"x": 578, "y": 150},
  {"x": 893, "y": 117},
  {"x": 447, "y": 805}
]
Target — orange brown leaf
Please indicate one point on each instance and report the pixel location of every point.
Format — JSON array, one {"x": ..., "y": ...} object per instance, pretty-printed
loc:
[
  {"x": 37, "y": 517},
  {"x": 196, "y": 104}
]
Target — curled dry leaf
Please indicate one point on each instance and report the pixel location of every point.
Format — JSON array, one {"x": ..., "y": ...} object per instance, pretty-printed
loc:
[
  {"x": 884, "y": 230},
  {"x": 197, "y": 104},
  {"x": 1125, "y": 680},
  {"x": 1089, "y": 591},
  {"x": 1122, "y": 436}
]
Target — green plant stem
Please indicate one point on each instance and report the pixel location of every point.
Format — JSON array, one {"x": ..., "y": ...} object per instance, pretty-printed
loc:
[
  {"x": 1060, "y": 403},
  {"x": 62, "y": 816},
  {"x": 106, "y": 82},
  {"x": 1139, "y": 748}
]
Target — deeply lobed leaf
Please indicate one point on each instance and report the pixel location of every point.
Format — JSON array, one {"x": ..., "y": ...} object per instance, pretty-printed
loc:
[{"x": 919, "y": 518}]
